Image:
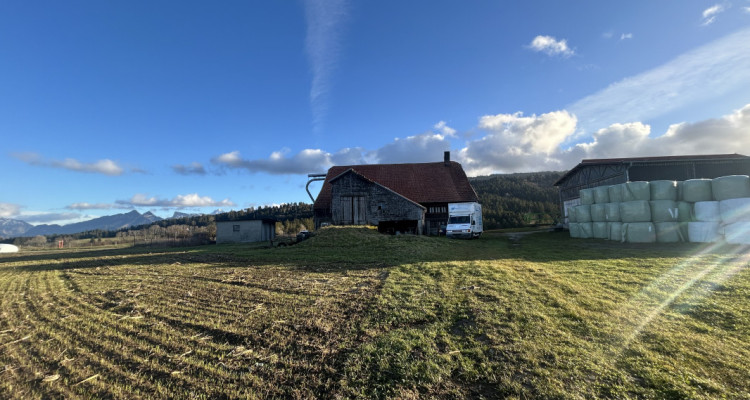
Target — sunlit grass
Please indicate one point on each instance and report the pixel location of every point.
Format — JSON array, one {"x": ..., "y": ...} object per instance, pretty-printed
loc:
[{"x": 351, "y": 313}]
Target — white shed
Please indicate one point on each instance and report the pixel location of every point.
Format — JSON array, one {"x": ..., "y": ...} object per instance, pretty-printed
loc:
[{"x": 245, "y": 231}]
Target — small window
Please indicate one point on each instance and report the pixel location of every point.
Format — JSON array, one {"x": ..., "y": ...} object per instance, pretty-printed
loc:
[{"x": 235, "y": 228}]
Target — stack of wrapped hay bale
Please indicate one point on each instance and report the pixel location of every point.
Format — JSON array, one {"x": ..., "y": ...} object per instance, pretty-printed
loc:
[{"x": 695, "y": 210}]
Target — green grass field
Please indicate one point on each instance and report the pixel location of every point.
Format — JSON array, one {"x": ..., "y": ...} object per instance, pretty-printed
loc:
[{"x": 351, "y": 313}]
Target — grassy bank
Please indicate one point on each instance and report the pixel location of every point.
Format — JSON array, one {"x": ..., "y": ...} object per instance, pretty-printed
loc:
[{"x": 351, "y": 313}]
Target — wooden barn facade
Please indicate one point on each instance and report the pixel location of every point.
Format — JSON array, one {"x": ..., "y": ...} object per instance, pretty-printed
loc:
[
  {"x": 394, "y": 197},
  {"x": 600, "y": 172}
]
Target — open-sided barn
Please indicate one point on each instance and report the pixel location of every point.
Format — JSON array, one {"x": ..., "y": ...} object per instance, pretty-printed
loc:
[
  {"x": 600, "y": 172},
  {"x": 395, "y": 197}
]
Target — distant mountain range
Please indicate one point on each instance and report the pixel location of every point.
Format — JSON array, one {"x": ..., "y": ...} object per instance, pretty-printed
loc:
[
  {"x": 107, "y": 223},
  {"x": 13, "y": 227},
  {"x": 16, "y": 228}
]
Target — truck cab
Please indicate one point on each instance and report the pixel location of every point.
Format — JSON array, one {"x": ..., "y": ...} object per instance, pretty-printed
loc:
[{"x": 464, "y": 220}]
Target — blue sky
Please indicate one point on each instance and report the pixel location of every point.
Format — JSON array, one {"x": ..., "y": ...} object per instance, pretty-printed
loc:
[{"x": 191, "y": 106}]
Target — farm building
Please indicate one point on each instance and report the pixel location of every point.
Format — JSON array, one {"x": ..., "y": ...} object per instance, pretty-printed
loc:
[
  {"x": 245, "y": 231},
  {"x": 600, "y": 172},
  {"x": 394, "y": 197}
]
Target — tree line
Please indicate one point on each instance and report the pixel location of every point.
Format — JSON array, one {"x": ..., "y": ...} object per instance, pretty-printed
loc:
[
  {"x": 508, "y": 201},
  {"x": 518, "y": 200},
  {"x": 192, "y": 230}
]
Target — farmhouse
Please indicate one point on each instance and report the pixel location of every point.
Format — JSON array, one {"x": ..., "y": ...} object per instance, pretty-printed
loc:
[
  {"x": 600, "y": 172},
  {"x": 245, "y": 231},
  {"x": 394, "y": 197}
]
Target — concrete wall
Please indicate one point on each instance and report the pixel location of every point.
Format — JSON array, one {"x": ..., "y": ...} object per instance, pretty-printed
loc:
[
  {"x": 249, "y": 231},
  {"x": 373, "y": 202}
]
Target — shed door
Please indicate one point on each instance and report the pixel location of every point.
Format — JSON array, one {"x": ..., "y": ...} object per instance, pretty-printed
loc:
[{"x": 353, "y": 210}]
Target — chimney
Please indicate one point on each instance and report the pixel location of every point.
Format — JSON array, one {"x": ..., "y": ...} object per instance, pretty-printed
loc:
[{"x": 447, "y": 158}]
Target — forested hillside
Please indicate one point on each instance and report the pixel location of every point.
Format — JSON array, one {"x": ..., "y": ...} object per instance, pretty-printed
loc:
[{"x": 516, "y": 200}]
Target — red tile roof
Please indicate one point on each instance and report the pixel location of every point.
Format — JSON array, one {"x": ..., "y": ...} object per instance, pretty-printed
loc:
[{"x": 421, "y": 183}]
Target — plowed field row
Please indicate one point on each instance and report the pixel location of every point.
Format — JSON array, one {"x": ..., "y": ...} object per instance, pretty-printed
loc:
[{"x": 103, "y": 327}]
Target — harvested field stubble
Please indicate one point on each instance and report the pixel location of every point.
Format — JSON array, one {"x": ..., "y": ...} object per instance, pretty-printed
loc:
[{"x": 351, "y": 313}]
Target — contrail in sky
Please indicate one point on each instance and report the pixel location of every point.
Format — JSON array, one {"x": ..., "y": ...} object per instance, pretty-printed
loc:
[{"x": 324, "y": 24}]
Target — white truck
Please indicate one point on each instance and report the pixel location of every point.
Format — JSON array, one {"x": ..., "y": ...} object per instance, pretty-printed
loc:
[{"x": 464, "y": 220}]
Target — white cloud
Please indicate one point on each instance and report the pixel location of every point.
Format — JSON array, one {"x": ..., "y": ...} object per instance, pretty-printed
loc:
[
  {"x": 728, "y": 134},
  {"x": 179, "y": 201},
  {"x": 95, "y": 206},
  {"x": 551, "y": 46},
  {"x": 425, "y": 147},
  {"x": 510, "y": 146},
  {"x": 542, "y": 134},
  {"x": 193, "y": 168},
  {"x": 511, "y": 143},
  {"x": 517, "y": 143},
  {"x": 8, "y": 210},
  {"x": 618, "y": 140},
  {"x": 444, "y": 129},
  {"x": 324, "y": 25},
  {"x": 279, "y": 163},
  {"x": 626, "y": 36},
  {"x": 709, "y": 14},
  {"x": 702, "y": 74},
  {"x": 105, "y": 166},
  {"x": 46, "y": 218},
  {"x": 348, "y": 156}
]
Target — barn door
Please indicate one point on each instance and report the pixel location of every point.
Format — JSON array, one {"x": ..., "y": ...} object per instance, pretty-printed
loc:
[
  {"x": 358, "y": 210},
  {"x": 353, "y": 210}
]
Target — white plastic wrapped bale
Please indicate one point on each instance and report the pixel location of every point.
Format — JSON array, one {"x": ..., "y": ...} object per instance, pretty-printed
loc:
[
  {"x": 612, "y": 212},
  {"x": 684, "y": 211},
  {"x": 615, "y": 231},
  {"x": 737, "y": 233},
  {"x": 8, "y": 248},
  {"x": 638, "y": 232},
  {"x": 583, "y": 213},
  {"x": 597, "y": 213},
  {"x": 635, "y": 211},
  {"x": 639, "y": 190},
  {"x": 735, "y": 210},
  {"x": 600, "y": 230},
  {"x": 663, "y": 190},
  {"x": 704, "y": 232},
  {"x": 586, "y": 230},
  {"x": 664, "y": 211},
  {"x": 668, "y": 232},
  {"x": 571, "y": 214},
  {"x": 684, "y": 231},
  {"x": 601, "y": 194},
  {"x": 615, "y": 193},
  {"x": 695, "y": 190},
  {"x": 730, "y": 187},
  {"x": 706, "y": 211},
  {"x": 587, "y": 196},
  {"x": 574, "y": 229}
]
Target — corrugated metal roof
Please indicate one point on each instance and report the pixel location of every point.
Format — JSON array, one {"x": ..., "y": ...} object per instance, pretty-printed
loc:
[
  {"x": 421, "y": 183},
  {"x": 660, "y": 159}
]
